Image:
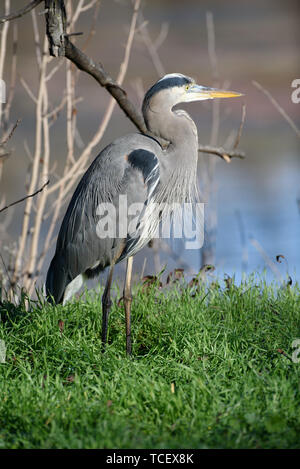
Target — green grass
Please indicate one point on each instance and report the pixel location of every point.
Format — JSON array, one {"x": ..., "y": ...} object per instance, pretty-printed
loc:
[{"x": 206, "y": 372}]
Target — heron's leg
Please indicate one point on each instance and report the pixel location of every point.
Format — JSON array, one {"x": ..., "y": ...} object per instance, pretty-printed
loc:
[
  {"x": 127, "y": 298},
  {"x": 106, "y": 305}
]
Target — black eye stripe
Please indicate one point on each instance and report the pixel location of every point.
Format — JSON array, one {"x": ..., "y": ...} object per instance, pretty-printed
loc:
[{"x": 169, "y": 82}]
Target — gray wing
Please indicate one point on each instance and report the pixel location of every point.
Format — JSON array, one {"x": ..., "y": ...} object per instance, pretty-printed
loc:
[{"x": 129, "y": 166}]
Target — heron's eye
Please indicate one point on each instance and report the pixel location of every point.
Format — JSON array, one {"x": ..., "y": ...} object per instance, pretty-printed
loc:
[{"x": 187, "y": 87}]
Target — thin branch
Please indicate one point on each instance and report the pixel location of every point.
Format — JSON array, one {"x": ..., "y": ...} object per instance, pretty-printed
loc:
[
  {"x": 92, "y": 30},
  {"x": 266, "y": 257},
  {"x": 13, "y": 75},
  {"x": 151, "y": 48},
  {"x": 164, "y": 29},
  {"x": 239, "y": 134},
  {"x": 36, "y": 38},
  {"x": 226, "y": 155},
  {"x": 41, "y": 202},
  {"x": 211, "y": 45},
  {"x": 24, "y": 198},
  {"x": 54, "y": 70},
  {"x": 28, "y": 90},
  {"x": 22, "y": 12},
  {"x": 278, "y": 107},
  {"x": 9, "y": 134},
  {"x": 75, "y": 15},
  {"x": 88, "y": 6},
  {"x": 83, "y": 62}
]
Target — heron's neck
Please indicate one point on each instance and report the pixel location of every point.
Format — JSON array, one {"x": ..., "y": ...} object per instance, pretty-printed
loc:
[
  {"x": 179, "y": 163},
  {"x": 177, "y": 127}
]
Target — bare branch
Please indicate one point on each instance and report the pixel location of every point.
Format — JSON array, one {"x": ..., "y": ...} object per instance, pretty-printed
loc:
[
  {"x": 36, "y": 38},
  {"x": 143, "y": 30},
  {"x": 22, "y": 12},
  {"x": 239, "y": 134},
  {"x": 277, "y": 106},
  {"x": 88, "y": 6},
  {"x": 226, "y": 155},
  {"x": 83, "y": 62},
  {"x": 9, "y": 134},
  {"x": 211, "y": 44},
  {"x": 266, "y": 257},
  {"x": 13, "y": 75},
  {"x": 24, "y": 198},
  {"x": 28, "y": 90}
]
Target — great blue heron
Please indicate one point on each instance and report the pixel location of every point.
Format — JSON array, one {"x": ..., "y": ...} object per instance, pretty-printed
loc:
[{"x": 136, "y": 166}]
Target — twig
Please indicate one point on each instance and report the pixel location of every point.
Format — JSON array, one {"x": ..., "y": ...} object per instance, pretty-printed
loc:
[
  {"x": 36, "y": 38},
  {"x": 28, "y": 90},
  {"x": 6, "y": 269},
  {"x": 226, "y": 155},
  {"x": 19, "y": 13},
  {"x": 211, "y": 45},
  {"x": 70, "y": 95},
  {"x": 24, "y": 198},
  {"x": 239, "y": 134},
  {"x": 83, "y": 62},
  {"x": 164, "y": 29},
  {"x": 278, "y": 107},
  {"x": 9, "y": 134},
  {"x": 74, "y": 34},
  {"x": 160, "y": 70},
  {"x": 266, "y": 258},
  {"x": 88, "y": 6},
  {"x": 92, "y": 30},
  {"x": 13, "y": 75}
]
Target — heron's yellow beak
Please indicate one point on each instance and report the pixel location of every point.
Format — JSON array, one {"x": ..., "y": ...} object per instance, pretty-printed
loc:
[
  {"x": 199, "y": 93},
  {"x": 223, "y": 94}
]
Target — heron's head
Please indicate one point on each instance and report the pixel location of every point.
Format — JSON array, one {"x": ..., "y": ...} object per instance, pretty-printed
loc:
[{"x": 176, "y": 88}]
